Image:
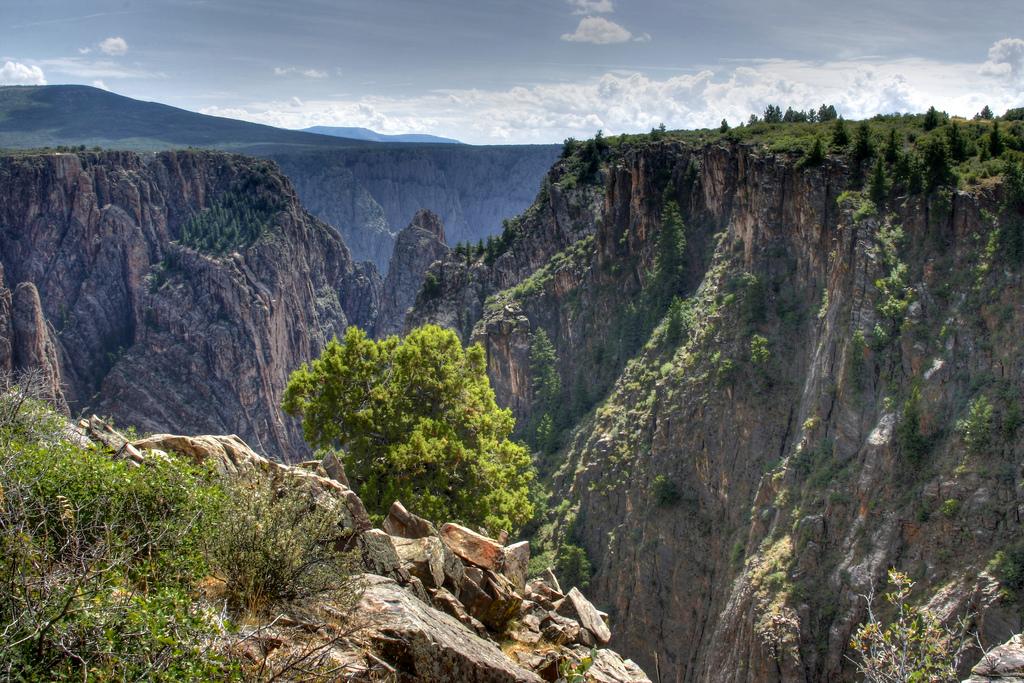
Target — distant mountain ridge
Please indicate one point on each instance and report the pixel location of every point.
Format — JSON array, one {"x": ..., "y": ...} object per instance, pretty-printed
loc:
[
  {"x": 367, "y": 190},
  {"x": 355, "y": 133}
]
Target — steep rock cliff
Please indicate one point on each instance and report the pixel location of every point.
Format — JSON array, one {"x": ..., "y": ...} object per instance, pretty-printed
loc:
[
  {"x": 417, "y": 247},
  {"x": 369, "y": 193},
  {"x": 754, "y": 466},
  {"x": 166, "y": 336}
]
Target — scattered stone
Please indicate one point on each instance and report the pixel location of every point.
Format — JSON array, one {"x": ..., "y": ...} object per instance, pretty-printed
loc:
[
  {"x": 576, "y": 606},
  {"x": 1004, "y": 664},
  {"x": 335, "y": 469},
  {"x": 424, "y": 644},
  {"x": 401, "y": 522},
  {"x": 473, "y": 547},
  {"x": 423, "y": 558},
  {"x": 559, "y": 630},
  {"x": 516, "y": 560},
  {"x": 380, "y": 556},
  {"x": 450, "y": 605},
  {"x": 549, "y": 577}
]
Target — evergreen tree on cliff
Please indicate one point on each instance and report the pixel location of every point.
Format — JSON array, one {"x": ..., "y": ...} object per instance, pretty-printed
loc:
[{"x": 418, "y": 421}]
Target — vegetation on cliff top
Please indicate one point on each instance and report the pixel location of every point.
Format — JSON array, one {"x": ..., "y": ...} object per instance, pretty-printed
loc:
[{"x": 418, "y": 421}]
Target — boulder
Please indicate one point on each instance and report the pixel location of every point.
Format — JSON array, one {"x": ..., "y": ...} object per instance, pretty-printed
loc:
[
  {"x": 454, "y": 571},
  {"x": 335, "y": 469},
  {"x": 576, "y": 606},
  {"x": 425, "y": 644},
  {"x": 540, "y": 592},
  {"x": 549, "y": 577},
  {"x": 473, "y": 547},
  {"x": 559, "y": 630},
  {"x": 475, "y": 598},
  {"x": 505, "y": 602},
  {"x": 1004, "y": 664},
  {"x": 608, "y": 667},
  {"x": 380, "y": 556},
  {"x": 449, "y": 604},
  {"x": 401, "y": 522},
  {"x": 423, "y": 558},
  {"x": 515, "y": 561}
]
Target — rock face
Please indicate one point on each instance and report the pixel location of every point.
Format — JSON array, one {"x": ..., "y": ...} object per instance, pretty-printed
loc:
[
  {"x": 157, "y": 334},
  {"x": 1004, "y": 663},
  {"x": 25, "y": 342},
  {"x": 416, "y": 248},
  {"x": 369, "y": 192},
  {"x": 738, "y": 483}
]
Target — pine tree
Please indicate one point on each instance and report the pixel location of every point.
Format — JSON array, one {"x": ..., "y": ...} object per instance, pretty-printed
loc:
[
  {"x": 892, "y": 149},
  {"x": 937, "y": 170},
  {"x": 995, "y": 141},
  {"x": 985, "y": 114},
  {"x": 670, "y": 246},
  {"x": 862, "y": 147},
  {"x": 816, "y": 155},
  {"x": 957, "y": 143},
  {"x": 840, "y": 138},
  {"x": 772, "y": 114},
  {"x": 827, "y": 113},
  {"x": 724, "y": 128},
  {"x": 932, "y": 119},
  {"x": 879, "y": 188}
]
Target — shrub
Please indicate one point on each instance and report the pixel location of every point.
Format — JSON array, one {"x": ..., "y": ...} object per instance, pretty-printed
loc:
[
  {"x": 1008, "y": 566},
  {"x": 759, "y": 351},
  {"x": 976, "y": 428},
  {"x": 914, "y": 646},
  {"x": 97, "y": 561},
  {"x": 273, "y": 545},
  {"x": 666, "y": 493},
  {"x": 913, "y": 444},
  {"x": 572, "y": 566}
]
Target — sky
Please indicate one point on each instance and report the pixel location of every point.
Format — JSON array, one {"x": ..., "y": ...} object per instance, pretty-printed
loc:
[{"x": 523, "y": 71}]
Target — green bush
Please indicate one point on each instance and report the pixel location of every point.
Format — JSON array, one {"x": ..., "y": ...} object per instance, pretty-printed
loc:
[
  {"x": 666, "y": 493},
  {"x": 976, "y": 428},
  {"x": 272, "y": 545},
  {"x": 572, "y": 566},
  {"x": 98, "y": 559},
  {"x": 238, "y": 217}
]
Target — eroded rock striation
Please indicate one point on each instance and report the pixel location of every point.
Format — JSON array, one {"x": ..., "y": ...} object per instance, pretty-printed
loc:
[
  {"x": 152, "y": 331},
  {"x": 742, "y": 474},
  {"x": 417, "y": 247}
]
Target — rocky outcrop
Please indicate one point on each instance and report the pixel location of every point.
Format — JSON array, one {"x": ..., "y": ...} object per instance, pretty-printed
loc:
[
  {"x": 738, "y": 483},
  {"x": 369, "y": 192},
  {"x": 25, "y": 341},
  {"x": 424, "y": 613},
  {"x": 155, "y": 333},
  {"x": 417, "y": 247},
  {"x": 1004, "y": 664}
]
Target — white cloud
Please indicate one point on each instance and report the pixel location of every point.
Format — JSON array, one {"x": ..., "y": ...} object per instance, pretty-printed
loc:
[
  {"x": 599, "y": 31},
  {"x": 115, "y": 46},
  {"x": 84, "y": 50},
  {"x": 634, "y": 102},
  {"x": 100, "y": 84},
  {"x": 295, "y": 71},
  {"x": 1006, "y": 60},
  {"x": 16, "y": 73},
  {"x": 592, "y": 6}
]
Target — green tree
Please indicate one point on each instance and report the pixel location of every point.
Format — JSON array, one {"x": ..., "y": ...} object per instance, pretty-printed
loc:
[
  {"x": 879, "y": 189},
  {"x": 816, "y": 155},
  {"x": 932, "y": 119},
  {"x": 827, "y": 113},
  {"x": 995, "y": 141},
  {"x": 670, "y": 247},
  {"x": 546, "y": 384},
  {"x": 957, "y": 143},
  {"x": 863, "y": 149},
  {"x": 418, "y": 422},
  {"x": 724, "y": 127},
  {"x": 985, "y": 114},
  {"x": 773, "y": 114},
  {"x": 892, "y": 148},
  {"x": 840, "y": 138},
  {"x": 937, "y": 170}
]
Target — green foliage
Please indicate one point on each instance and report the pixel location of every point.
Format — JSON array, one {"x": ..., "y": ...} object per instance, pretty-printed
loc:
[
  {"x": 863, "y": 148},
  {"x": 957, "y": 143},
  {"x": 572, "y": 566},
  {"x": 912, "y": 648},
  {"x": 98, "y": 559},
  {"x": 431, "y": 286},
  {"x": 570, "y": 673},
  {"x": 913, "y": 444},
  {"x": 546, "y": 384},
  {"x": 977, "y": 426},
  {"x": 418, "y": 423},
  {"x": 760, "y": 354},
  {"x": 840, "y": 137},
  {"x": 932, "y": 119},
  {"x": 272, "y": 545},
  {"x": 1008, "y": 566},
  {"x": 670, "y": 248},
  {"x": 815, "y": 156},
  {"x": 937, "y": 171},
  {"x": 237, "y": 218},
  {"x": 949, "y": 508},
  {"x": 995, "y": 141},
  {"x": 665, "y": 491},
  {"x": 879, "y": 190},
  {"x": 679, "y": 319}
]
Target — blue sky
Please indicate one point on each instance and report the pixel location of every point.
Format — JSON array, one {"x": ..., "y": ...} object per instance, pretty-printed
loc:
[{"x": 490, "y": 71}]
